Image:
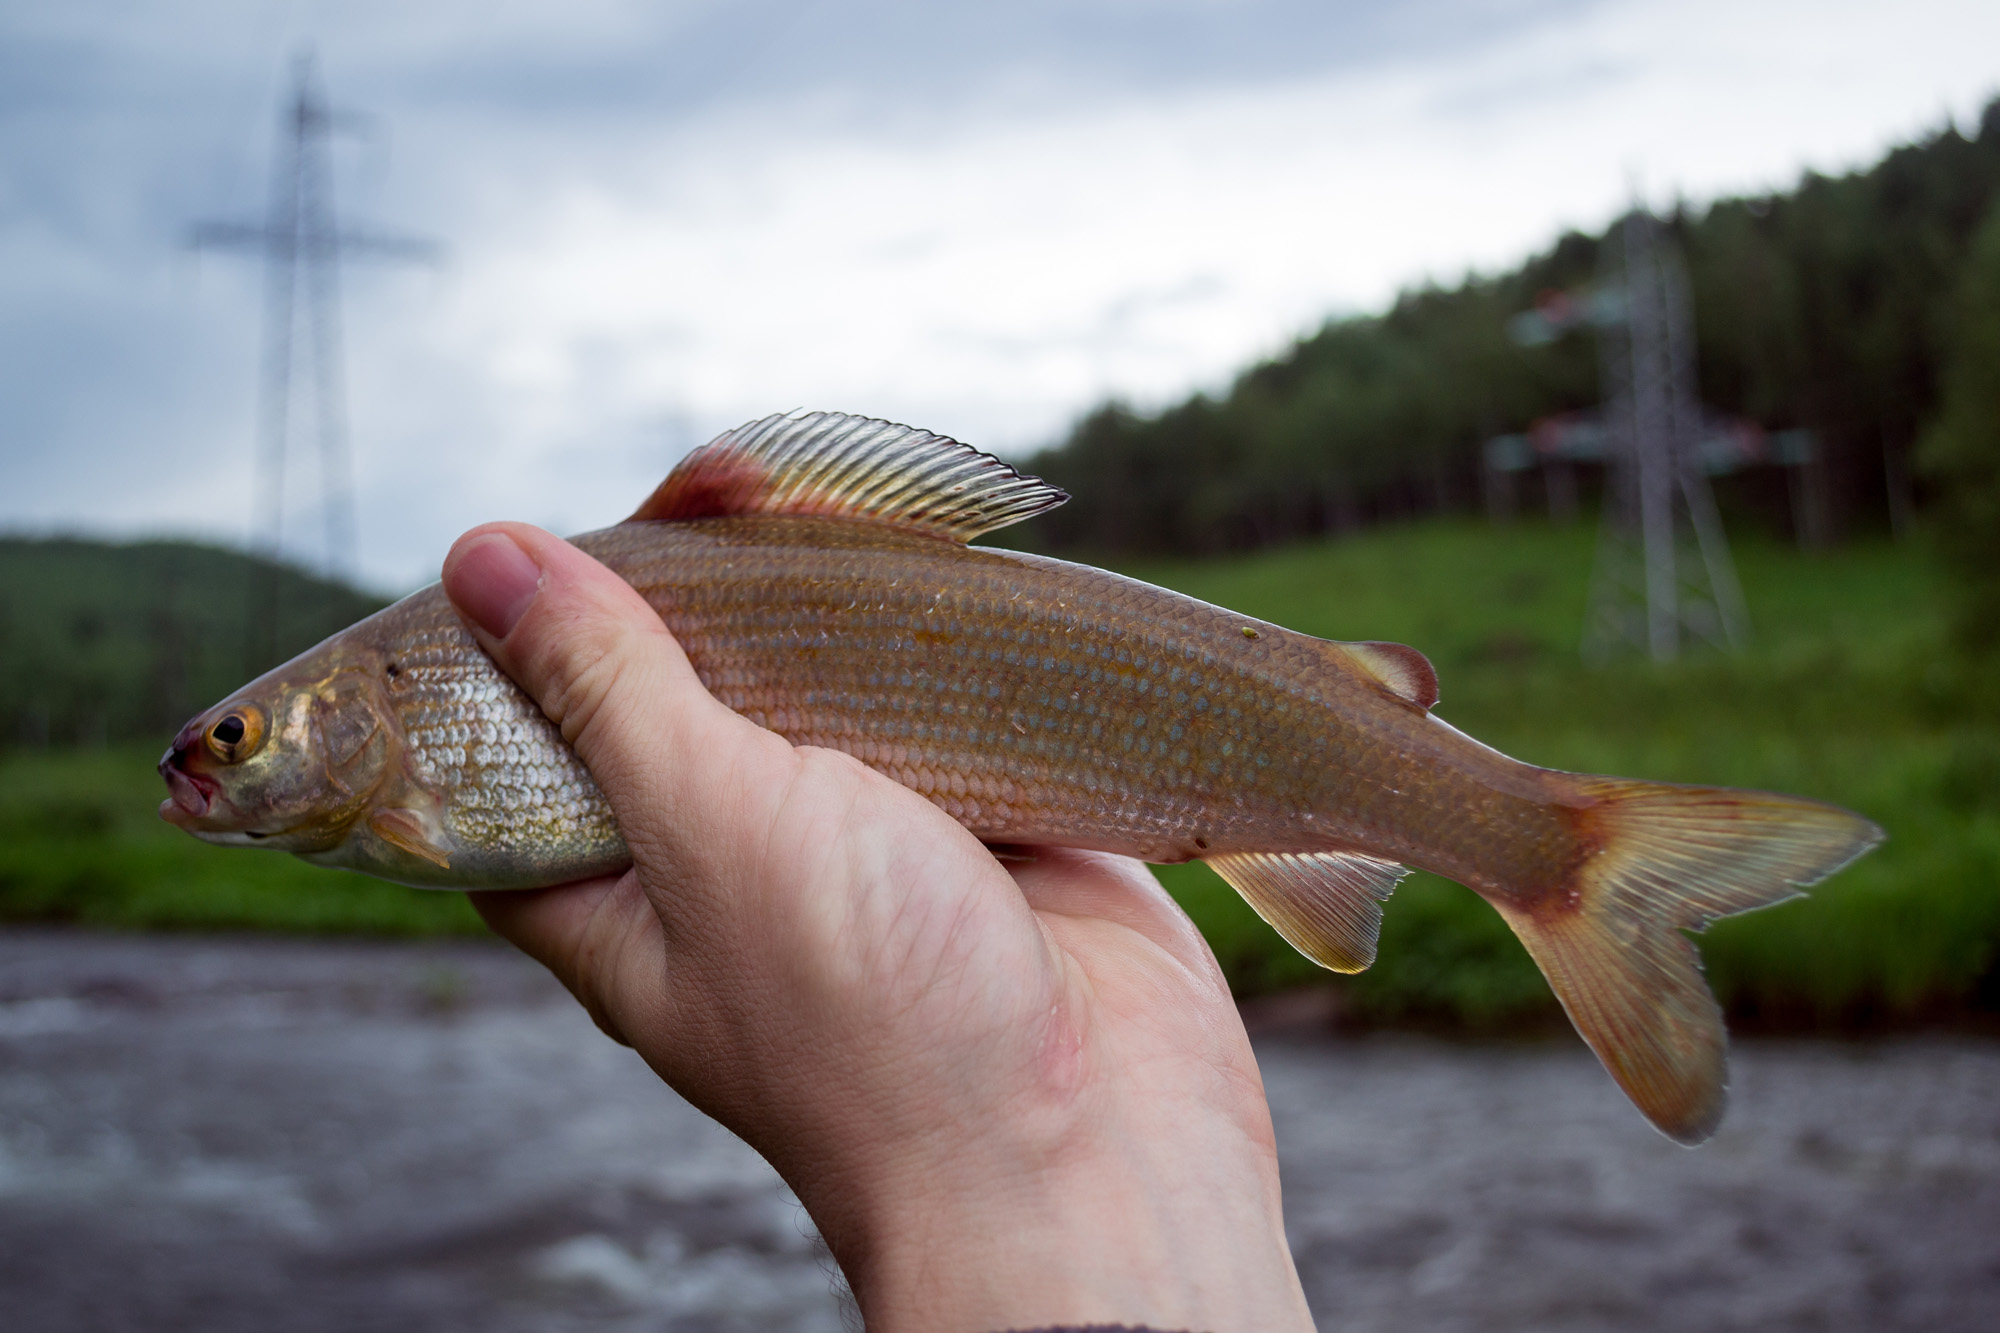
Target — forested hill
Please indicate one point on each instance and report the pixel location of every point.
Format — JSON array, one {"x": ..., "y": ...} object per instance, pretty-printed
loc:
[
  {"x": 1827, "y": 307},
  {"x": 102, "y": 642}
]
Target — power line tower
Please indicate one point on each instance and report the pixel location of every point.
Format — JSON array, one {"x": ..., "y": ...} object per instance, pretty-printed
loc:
[
  {"x": 302, "y": 244},
  {"x": 1663, "y": 571}
]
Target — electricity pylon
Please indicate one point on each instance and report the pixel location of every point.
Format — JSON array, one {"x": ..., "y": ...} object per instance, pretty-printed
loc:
[
  {"x": 302, "y": 244},
  {"x": 1663, "y": 568}
]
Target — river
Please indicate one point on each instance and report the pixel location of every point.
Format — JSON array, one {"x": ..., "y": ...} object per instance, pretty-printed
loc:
[{"x": 288, "y": 1137}]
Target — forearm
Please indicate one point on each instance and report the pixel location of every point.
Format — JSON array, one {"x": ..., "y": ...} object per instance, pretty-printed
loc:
[{"x": 1008, "y": 1099}]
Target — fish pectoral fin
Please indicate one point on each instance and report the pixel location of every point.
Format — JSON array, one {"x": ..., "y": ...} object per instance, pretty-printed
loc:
[
  {"x": 831, "y": 465},
  {"x": 414, "y": 832},
  {"x": 1327, "y": 905}
]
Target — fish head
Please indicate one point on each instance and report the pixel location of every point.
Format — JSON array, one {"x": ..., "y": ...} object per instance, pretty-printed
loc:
[{"x": 288, "y": 761}]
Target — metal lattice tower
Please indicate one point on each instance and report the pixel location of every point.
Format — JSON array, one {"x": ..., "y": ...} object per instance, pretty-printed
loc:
[
  {"x": 1663, "y": 568},
  {"x": 302, "y": 244}
]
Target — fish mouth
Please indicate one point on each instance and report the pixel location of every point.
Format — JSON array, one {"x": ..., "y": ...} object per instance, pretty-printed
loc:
[{"x": 191, "y": 796}]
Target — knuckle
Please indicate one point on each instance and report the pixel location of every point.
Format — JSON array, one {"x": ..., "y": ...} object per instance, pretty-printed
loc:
[
  {"x": 588, "y": 678},
  {"x": 595, "y": 677}
]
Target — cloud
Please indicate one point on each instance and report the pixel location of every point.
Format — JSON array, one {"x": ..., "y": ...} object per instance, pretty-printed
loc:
[{"x": 982, "y": 218}]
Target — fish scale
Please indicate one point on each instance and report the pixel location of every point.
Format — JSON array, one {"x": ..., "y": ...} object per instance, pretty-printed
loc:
[
  {"x": 943, "y": 667},
  {"x": 510, "y": 789},
  {"x": 815, "y": 568},
  {"x": 1023, "y": 700}
]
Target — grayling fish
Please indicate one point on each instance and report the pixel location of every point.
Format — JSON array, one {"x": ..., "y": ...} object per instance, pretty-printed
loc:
[{"x": 816, "y": 570}]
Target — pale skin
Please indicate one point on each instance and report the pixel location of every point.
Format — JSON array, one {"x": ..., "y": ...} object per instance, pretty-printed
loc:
[{"x": 1009, "y": 1095}]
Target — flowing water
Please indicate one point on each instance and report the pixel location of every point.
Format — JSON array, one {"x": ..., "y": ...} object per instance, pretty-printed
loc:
[{"x": 277, "y": 1135}]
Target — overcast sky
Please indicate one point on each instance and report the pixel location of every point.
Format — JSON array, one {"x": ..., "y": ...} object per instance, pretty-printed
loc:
[{"x": 982, "y": 218}]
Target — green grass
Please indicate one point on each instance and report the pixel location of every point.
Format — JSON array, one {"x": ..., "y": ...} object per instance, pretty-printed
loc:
[
  {"x": 1845, "y": 694},
  {"x": 81, "y": 841}
]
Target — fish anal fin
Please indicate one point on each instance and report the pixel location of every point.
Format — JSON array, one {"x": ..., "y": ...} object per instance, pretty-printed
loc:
[
  {"x": 1401, "y": 670},
  {"x": 830, "y": 465},
  {"x": 413, "y": 832},
  {"x": 1327, "y": 905},
  {"x": 1665, "y": 860}
]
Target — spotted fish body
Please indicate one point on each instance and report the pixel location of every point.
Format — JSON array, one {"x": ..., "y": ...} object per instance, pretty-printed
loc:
[
  {"x": 1035, "y": 701},
  {"x": 517, "y": 808},
  {"x": 1040, "y": 702},
  {"x": 815, "y": 569}
]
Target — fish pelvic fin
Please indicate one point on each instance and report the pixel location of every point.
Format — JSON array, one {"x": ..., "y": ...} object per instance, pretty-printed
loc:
[
  {"x": 1668, "y": 859},
  {"x": 831, "y": 465},
  {"x": 1327, "y": 905}
]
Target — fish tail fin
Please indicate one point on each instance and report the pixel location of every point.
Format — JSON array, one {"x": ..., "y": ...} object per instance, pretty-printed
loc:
[{"x": 1669, "y": 859}]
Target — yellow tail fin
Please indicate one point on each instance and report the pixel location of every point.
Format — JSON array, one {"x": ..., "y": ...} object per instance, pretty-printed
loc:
[{"x": 1671, "y": 859}]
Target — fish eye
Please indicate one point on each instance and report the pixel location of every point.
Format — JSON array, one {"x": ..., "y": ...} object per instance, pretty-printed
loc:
[{"x": 237, "y": 733}]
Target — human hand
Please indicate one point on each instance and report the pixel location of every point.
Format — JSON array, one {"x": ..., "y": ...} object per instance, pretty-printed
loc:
[{"x": 1008, "y": 1096}]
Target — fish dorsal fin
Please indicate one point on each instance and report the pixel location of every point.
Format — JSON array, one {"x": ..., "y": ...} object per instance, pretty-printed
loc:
[
  {"x": 830, "y": 465},
  {"x": 1327, "y": 905},
  {"x": 1404, "y": 672}
]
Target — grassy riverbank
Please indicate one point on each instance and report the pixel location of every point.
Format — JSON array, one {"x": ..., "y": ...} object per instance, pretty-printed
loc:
[{"x": 1843, "y": 696}]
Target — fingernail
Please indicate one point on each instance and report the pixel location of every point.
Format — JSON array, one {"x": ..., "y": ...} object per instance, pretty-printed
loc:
[{"x": 492, "y": 582}]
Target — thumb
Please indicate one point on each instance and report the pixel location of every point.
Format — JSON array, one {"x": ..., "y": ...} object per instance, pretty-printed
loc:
[{"x": 597, "y": 659}]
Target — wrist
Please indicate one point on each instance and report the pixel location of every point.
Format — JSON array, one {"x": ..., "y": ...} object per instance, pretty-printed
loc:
[{"x": 1166, "y": 1215}]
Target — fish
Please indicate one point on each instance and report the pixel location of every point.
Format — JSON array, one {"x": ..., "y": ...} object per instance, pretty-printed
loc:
[{"x": 818, "y": 570}]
